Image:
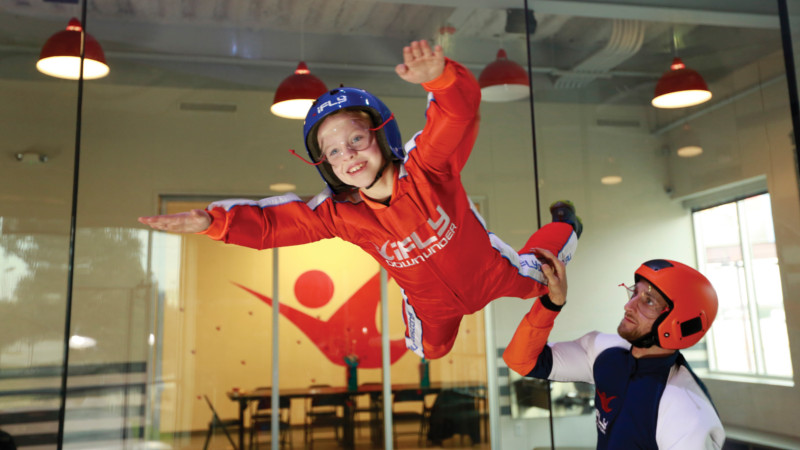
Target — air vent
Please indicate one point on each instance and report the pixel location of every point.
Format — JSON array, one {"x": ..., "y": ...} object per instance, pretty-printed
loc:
[{"x": 208, "y": 107}]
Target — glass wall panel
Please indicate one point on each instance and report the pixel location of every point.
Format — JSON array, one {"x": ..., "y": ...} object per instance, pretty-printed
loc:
[
  {"x": 37, "y": 122},
  {"x": 594, "y": 119},
  {"x": 172, "y": 336},
  {"x": 746, "y": 136},
  {"x": 183, "y": 119}
]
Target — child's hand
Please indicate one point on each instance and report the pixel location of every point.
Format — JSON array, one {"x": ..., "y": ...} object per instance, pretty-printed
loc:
[
  {"x": 194, "y": 221},
  {"x": 421, "y": 63}
]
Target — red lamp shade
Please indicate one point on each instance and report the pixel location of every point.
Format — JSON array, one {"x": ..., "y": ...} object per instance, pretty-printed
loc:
[
  {"x": 61, "y": 55},
  {"x": 296, "y": 93},
  {"x": 503, "y": 80},
  {"x": 680, "y": 87}
]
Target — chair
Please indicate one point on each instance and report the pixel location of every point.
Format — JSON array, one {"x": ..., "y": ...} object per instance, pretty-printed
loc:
[
  {"x": 261, "y": 419},
  {"x": 216, "y": 422},
  {"x": 420, "y": 414},
  {"x": 454, "y": 412},
  {"x": 374, "y": 411},
  {"x": 323, "y": 411}
]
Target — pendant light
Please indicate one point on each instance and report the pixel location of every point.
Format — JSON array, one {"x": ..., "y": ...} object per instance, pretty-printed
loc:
[
  {"x": 503, "y": 80},
  {"x": 688, "y": 143},
  {"x": 680, "y": 87},
  {"x": 611, "y": 174},
  {"x": 61, "y": 55},
  {"x": 690, "y": 151},
  {"x": 296, "y": 93},
  {"x": 282, "y": 186}
]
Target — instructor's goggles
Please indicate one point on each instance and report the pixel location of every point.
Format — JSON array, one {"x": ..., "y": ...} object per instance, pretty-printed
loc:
[{"x": 647, "y": 303}]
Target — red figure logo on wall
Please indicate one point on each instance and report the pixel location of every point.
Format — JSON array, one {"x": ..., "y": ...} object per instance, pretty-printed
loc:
[{"x": 351, "y": 330}]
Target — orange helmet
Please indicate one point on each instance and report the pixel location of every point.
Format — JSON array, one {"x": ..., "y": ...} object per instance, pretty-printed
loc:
[{"x": 692, "y": 304}]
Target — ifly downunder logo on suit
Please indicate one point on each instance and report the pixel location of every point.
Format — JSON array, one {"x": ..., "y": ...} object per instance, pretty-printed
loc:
[{"x": 415, "y": 248}]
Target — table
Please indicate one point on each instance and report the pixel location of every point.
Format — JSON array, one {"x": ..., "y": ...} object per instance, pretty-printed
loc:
[{"x": 245, "y": 397}]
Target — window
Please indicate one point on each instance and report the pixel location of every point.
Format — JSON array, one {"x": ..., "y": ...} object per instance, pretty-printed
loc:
[{"x": 736, "y": 251}]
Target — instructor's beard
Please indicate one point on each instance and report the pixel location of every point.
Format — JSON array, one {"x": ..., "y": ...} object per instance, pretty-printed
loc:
[
  {"x": 638, "y": 338},
  {"x": 629, "y": 335}
]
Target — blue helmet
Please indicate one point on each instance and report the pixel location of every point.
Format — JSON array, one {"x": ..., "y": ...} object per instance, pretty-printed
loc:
[{"x": 352, "y": 99}]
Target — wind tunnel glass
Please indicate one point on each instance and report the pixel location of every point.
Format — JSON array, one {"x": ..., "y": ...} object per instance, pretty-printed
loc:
[
  {"x": 647, "y": 303},
  {"x": 358, "y": 140}
]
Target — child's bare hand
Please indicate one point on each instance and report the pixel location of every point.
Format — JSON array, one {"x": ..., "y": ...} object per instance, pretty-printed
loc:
[
  {"x": 194, "y": 221},
  {"x": 421, "y": 64}
]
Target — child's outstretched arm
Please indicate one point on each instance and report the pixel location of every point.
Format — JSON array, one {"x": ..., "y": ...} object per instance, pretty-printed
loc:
[
  {"x": 421, "y": 63},
  {"x": 452, "y": 113},
  {"x": 193, "y": 221}
]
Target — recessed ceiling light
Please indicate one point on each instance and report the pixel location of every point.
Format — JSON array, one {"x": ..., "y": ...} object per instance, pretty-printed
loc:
[
  {"x": 282, "y": 187},
  {"x": 81, "y": 342},
  {"x": 611, "y": 179},
  {"x": 690, "y": 151}
]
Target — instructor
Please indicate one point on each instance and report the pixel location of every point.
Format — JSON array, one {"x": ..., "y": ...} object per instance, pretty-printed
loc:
[{"x": 646, "y": 394}]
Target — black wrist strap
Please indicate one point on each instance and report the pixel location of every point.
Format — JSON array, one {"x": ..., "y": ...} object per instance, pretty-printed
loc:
[{"x": 548, "y": 304}]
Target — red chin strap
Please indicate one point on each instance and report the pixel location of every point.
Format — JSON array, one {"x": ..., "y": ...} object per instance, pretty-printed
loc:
[
  {"x": 291, "y": 150},
  {"x": 383, "y": 124}
]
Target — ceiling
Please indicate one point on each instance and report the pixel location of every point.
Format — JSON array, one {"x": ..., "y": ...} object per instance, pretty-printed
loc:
[{"x": 582, "y": 51}]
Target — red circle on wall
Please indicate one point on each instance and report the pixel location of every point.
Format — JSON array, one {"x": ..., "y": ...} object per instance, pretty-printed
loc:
[{"x": 313, "y": 289}]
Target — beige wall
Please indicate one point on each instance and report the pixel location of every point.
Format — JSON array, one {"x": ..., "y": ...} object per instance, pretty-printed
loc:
[{"x": 217, "y": 336}]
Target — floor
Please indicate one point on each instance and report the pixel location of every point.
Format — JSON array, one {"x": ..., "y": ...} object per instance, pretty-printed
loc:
[{"x": 404, "y": 441}]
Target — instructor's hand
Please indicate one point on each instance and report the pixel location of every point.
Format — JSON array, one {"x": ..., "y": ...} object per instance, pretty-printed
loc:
[
  {"x": 194, "y": 221},
  {"x": 556, "y": 273}
]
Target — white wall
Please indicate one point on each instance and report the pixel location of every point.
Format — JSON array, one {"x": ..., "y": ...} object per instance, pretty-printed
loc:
[
  {"x": 750, "y": 137},
  {"x": 624, "y": 225},
  {"x": 638, "y": 220}
]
